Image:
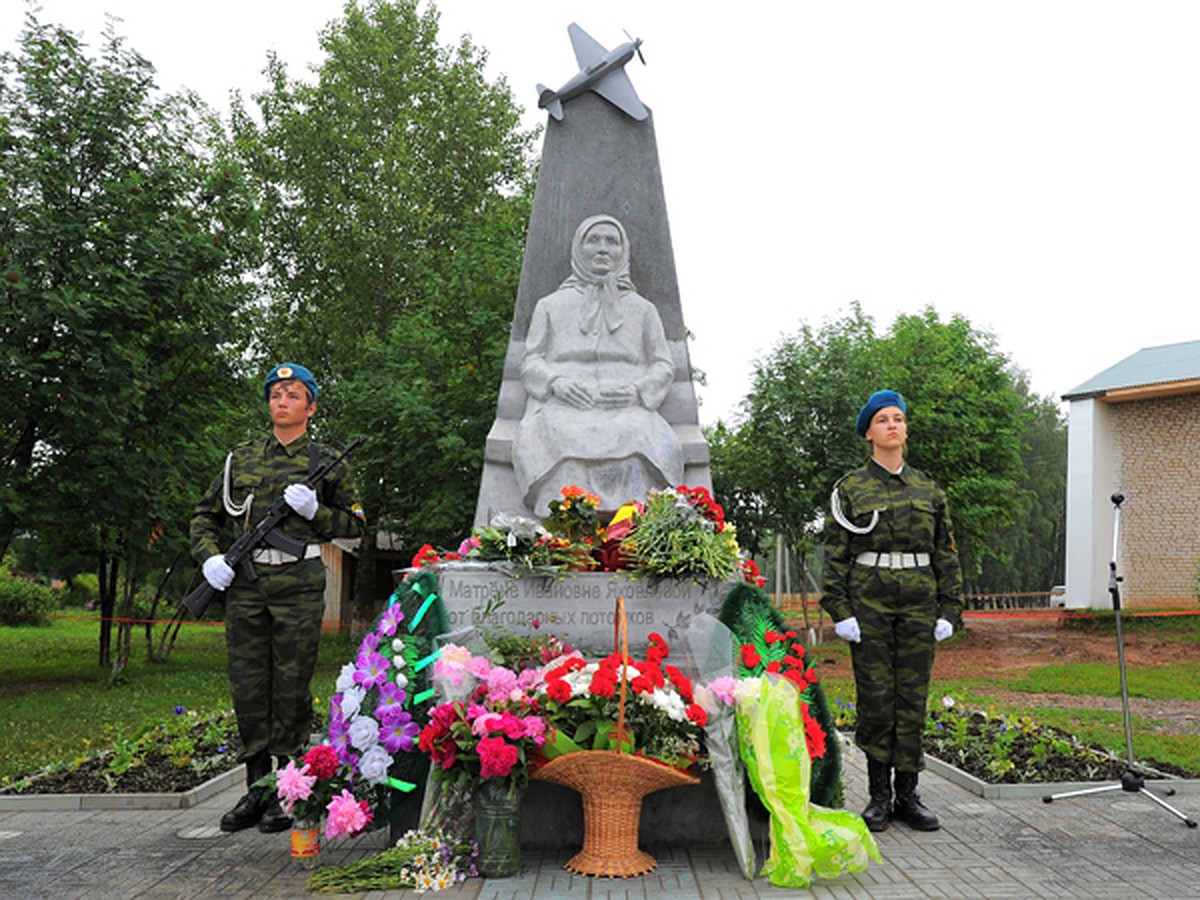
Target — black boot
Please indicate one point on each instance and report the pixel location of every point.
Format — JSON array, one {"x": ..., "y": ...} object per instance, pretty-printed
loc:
[
  {"x": 878, "y": 813},
  {"x": 250, "y": 808},
  {"x": 273, "y": 817},
  {"x": 909, "y": 809}
]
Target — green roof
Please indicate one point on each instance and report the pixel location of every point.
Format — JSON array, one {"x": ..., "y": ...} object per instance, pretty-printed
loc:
[{"x": 1152, "y": 365}]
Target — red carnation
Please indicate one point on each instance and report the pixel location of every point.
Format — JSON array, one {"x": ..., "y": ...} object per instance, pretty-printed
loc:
[
  {"x": 558, "y": 690},
  {"x": 696, "y": 713},
  {"x": 750, "y": 657},
  {"x": 771, "y": 636},
  {"x": 322, "y": 761}
]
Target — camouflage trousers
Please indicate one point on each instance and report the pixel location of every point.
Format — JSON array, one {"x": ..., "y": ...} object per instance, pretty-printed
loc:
[
  {"x": 893, "y": 664},
  {"x": 272, "y": 634}
]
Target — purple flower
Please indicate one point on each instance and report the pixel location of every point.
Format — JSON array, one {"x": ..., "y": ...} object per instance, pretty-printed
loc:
[
  {"x": 399, "y": 733},
  {"x": 370, "y": 643},
  {"x": 180, "y": 710},
  {"x": 372, "y": 669},
  {"x": 339, "y": 735},
  {"x": 391, "y": 697},
  {"x": 390, "y": 620}
]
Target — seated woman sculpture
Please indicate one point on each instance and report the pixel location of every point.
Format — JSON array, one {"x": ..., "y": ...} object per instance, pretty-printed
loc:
[{"x": 596, "y": 369}]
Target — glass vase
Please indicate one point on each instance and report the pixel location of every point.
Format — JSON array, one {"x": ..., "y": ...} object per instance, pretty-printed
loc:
[
  {"x": 498, "y": 827},
  {"x": 306, "y": 842}
]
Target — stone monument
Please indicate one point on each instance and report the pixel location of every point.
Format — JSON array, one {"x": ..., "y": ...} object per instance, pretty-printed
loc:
[{"x": 597, "y": 161}]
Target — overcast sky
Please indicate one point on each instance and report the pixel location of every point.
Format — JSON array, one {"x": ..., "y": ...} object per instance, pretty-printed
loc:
[{"x": 1031, "y": 164}]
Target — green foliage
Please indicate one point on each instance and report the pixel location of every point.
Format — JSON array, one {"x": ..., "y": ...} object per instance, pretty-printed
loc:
[
  {"x": 794, "y": 438},
  {"x": 24, "y": 602},
  {"x": 126, "y": 232},
  {"x": 1178, "y": 681},
  {"x": 673, "y": 538},
  {"x": 1029, "y": 554},
  {"x": 396, "y": 192},
  {"x": 966, "y": 420},
  {"x": 50, "y": 676}
]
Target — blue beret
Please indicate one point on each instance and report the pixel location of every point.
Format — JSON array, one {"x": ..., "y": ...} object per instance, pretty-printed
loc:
[
  {"x": 287, "y": 372},
  {"x": 877, "y": 401}
]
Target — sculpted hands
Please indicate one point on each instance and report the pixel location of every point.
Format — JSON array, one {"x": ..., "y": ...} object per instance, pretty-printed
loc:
[
  {"x": 942, "y": 629},
  {"x": 617, "y": 397},
  {"x": 572, "y": 393},
  {"x": 217, "y": 572},
  {"x": 302, "y": 499},
  {"x": 848, "y": 630}
]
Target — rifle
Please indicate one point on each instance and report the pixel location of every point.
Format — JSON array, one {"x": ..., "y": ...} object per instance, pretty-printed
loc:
[{"x": 240, "y": 554}]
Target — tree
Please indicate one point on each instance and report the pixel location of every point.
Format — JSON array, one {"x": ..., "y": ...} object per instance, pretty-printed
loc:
[
  {"x": 396, "y": 196},
  {"x": 967, "y": 420},
  {"x": 125, "y": 229},
  {"x": 1028, "y": 555},
  {"x": 795, "y": 434}
]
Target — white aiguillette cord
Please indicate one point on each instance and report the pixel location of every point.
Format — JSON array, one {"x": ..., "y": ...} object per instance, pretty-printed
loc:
[{"x": 835, "y": 507}]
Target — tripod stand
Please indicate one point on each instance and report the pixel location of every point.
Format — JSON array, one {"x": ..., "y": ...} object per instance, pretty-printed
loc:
[{"x": 1132, "y": 780}]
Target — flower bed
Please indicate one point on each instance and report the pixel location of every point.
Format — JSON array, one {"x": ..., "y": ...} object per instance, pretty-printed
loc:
[
  {"x": 175, "y": 754},
  {"x": 1001, "y": 749}
]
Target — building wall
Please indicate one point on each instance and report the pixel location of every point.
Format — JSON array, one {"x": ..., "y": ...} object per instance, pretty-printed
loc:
[
  {"x": 1090, "y": 482},
  {"x": 1155, "y": 465}
]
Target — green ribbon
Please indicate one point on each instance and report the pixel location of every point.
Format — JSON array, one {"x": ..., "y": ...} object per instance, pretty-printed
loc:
[
  {"x": 421, "y": 612},
  {"x": 405, "y": 786},
  {"x": 422, "y": 663},
  {"x": 423, "y": 696}
]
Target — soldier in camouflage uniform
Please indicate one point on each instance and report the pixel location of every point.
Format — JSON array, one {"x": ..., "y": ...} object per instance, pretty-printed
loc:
[
  {"x": 273, "y": 624},
  {"x": 892, "y": 585}
]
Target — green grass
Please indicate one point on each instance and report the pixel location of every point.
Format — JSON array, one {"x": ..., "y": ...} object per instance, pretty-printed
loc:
[
  {"x": 1107, "y": 729},
  {"x": 57, "y": 705},
  {"x": 1170, "y": 682}
]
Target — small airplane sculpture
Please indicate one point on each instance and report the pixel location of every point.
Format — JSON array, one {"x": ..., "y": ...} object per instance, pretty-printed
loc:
[{"x": 600, "y": 70}]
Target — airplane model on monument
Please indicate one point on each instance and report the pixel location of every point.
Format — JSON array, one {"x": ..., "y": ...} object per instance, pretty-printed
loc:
[{"x": 600, "y": 70}]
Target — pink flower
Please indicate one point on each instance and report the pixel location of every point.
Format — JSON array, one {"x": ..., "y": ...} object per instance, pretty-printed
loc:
[
  {"x": 485, "y": 723},
  {"x": 347, "y": 816},
  {"x": 496, "y": 757},
  {"x": 535, "y": 727},
  {"x": 722, "y": 689},
  {"x": 294, "y": 784}
]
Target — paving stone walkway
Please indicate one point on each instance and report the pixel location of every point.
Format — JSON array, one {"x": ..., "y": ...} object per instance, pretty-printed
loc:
[{"x": 1116, "y": 844}]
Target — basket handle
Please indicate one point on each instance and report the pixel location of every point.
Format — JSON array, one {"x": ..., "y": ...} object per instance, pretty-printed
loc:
[{"x": 621, "y": 646}]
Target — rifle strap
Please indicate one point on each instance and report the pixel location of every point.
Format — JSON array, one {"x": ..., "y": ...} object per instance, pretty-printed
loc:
[{"x": 314, "y": 457}]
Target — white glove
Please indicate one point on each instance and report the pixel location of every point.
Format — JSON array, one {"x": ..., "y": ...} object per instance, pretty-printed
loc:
[
  {"x": 302, "y": 499},
  {"x": 217, "y": 572},
  {"x": 942, "y": 629},
  {"x": 848, "y": 630}
]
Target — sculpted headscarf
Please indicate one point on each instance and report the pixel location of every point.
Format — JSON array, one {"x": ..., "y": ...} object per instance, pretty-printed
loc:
[{"x": 600, "y": 292}]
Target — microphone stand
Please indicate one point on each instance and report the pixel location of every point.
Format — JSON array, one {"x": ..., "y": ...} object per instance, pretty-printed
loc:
[{"x": 1132, "y": 780}]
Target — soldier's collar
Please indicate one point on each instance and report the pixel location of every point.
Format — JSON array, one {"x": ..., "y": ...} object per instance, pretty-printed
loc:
[{"x": 883, "y": 472}]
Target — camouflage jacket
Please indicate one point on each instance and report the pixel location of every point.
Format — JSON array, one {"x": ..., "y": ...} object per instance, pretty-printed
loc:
[
  {"x": 263, "y": 468},
  {"x": 912, "y": 518}
]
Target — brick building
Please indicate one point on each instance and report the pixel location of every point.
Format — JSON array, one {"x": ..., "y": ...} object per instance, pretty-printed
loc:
[{"x": 1134, "y": 430}]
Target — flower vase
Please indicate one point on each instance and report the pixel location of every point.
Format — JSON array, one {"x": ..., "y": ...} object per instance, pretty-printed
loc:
[
  {"x": 306, "y": 842},
  {"x": 498, "y": 827}
]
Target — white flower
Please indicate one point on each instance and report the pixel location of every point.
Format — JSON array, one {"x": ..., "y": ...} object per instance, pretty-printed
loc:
[
  {"x": 669, "y": 702},
  {"x": 345, "y": 679},
  {"x": 364, "y": 732},
  {"x": 397, "y": 648},
  {"x": 746, "y": 688},
  {"x": 374, "y": 765},
  {"x": 352, "y": 700},
  {"x": 401, "y": 680},
  {"x": 947, "y": 702}
]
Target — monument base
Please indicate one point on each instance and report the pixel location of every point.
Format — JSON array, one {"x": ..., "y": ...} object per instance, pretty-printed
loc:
[{"x": 576, "y": 607}]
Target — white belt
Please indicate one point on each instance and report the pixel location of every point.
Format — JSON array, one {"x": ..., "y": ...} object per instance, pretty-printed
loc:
[
  {"x": 269, "y": 556},
  {"x": 893, "y": 560}
]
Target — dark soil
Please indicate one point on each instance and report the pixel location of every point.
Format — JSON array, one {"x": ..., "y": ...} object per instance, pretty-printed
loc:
[{"x": 156, "y": 774}]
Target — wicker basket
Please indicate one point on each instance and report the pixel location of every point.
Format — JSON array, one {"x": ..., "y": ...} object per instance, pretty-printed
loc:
[{"x": 612, "y": 785}]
